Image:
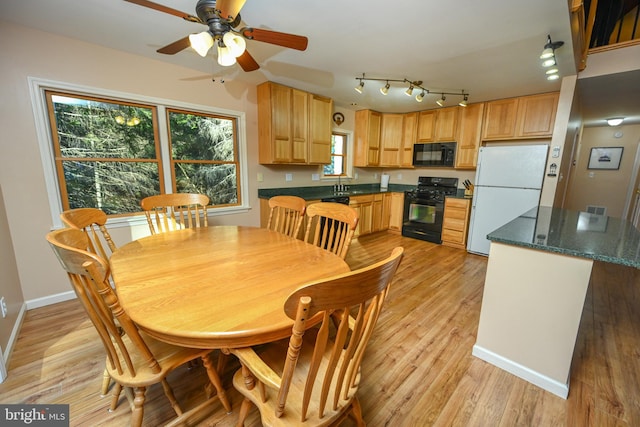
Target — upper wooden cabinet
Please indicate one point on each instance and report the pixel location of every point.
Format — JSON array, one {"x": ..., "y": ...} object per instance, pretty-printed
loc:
[
  {"x": 439, "y": 125},
  {"x": 391, "y": 139},
  {"x": 293, "y": 126},
  {"x": 469, "y": 133},
  {"x": 521, "y": 118},
  {"x": 367, "y": 138},
  {"x": 409, "y": 131}
]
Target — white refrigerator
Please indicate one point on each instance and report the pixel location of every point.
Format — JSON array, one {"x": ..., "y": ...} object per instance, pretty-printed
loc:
[{"x": 508, "y": 183}]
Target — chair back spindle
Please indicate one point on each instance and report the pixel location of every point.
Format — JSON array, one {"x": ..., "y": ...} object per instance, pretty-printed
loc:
[{"x": 170, "y": 212}]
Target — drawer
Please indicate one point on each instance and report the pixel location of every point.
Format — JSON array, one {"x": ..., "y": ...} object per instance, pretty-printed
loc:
[
  {"x": 458, "y": 224},
  {"x": 455, "y": 213},
  {"x": 452, "y": 235},
  {"x": 456, "y": 203}
]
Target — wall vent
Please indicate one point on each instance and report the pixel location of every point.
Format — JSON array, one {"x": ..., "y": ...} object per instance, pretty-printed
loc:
[{"x": 597, "y": 210}]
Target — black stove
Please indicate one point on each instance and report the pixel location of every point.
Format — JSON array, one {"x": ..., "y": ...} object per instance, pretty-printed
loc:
[{"x": 424, "y": 208}]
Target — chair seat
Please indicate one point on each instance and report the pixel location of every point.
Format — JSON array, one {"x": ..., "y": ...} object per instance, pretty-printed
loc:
[
  {"x": 169, "y": 357},
  {"x": 271, "y": 355}
]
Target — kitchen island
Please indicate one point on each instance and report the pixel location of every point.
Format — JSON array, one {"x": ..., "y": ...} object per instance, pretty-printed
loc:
[{"x": 537, "y": 278}]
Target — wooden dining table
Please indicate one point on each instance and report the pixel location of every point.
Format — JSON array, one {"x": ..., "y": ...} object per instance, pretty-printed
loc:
[{"x": 217, "y": 286}]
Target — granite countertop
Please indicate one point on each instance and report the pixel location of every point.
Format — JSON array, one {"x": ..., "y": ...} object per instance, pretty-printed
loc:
[
  {"x": 324, "y": 191},
  {"x": 573, "y": 233}
]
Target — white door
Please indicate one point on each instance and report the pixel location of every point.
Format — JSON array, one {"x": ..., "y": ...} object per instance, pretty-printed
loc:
[{"x": 492, "y": 208}]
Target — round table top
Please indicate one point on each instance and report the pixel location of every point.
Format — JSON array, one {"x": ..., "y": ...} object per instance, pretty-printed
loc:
[{"x": 216, "y": 287}]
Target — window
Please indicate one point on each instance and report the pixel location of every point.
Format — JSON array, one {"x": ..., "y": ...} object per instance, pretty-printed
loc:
[
  {"x": 338, "y": 165},
  {"x": 110, "y": 150}
]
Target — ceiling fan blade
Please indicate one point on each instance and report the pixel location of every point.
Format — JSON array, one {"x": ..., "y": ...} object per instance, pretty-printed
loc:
[
  {"x": 229, "y": 9},
  {"x": 247, "y": 62},
  {"x": 175, "y": 47},
  {"x": 274, "y": 37},
  {"x": 165, "y": 9}
]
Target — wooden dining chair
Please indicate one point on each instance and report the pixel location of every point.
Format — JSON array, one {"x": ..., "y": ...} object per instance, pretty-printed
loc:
[
  {"x": 169, "y": 212},
  {"x": 312, "y": 378},
  {"x": 92, "y": 221},
  {"x": 286, "y": 214},
  {"x": 331, "y": 226},
  {"x": 134, "y": 359}
]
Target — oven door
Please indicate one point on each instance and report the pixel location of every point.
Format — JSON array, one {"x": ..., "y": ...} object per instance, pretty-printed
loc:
[{"x": 422, "y": 218}]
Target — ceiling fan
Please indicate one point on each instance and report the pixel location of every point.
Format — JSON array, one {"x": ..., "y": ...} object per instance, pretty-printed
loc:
[{"x": 222, "y": 17}]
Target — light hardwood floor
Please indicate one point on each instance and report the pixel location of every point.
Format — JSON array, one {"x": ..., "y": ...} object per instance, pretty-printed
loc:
[{"x": 418, "y": 370}]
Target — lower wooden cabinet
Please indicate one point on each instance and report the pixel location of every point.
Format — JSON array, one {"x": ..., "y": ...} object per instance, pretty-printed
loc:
[
  {"x": 455, "y": 224},
  {"x": 396, "y": 212}
]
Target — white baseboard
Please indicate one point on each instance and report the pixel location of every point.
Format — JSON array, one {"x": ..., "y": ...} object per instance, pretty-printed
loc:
[
  {"x": 535, "y": 378},
  {"x": 51, "y": 299},
  {"x": 13, "y": 338}
]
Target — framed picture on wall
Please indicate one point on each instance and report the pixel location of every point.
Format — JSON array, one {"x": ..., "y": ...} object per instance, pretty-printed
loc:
[{"x": 605, "y": 158}]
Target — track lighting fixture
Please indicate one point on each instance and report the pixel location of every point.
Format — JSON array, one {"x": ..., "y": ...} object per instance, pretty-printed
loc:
[
  {"x": 615, "y": 121},
  {"x": 440, "y": 101},
  {"x": 463, "y": 103},
  {"x": 548, "y": 57},
  {"x": 413, "y": 84}
]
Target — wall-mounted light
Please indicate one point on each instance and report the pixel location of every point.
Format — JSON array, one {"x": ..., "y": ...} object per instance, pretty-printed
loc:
[
  {"x": 413, "y": 84},
  {"x": 616, "y": 121}
]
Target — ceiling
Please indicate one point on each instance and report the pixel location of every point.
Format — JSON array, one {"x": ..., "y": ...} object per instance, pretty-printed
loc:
[{"x": 489, "y": 49}]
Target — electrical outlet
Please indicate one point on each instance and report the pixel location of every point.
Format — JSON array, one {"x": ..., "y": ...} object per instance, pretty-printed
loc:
[
  {"x": 260, "y": 177},
  {"x": 288, "y": 177},
  {"x": 315, "y": 177},
  {"x": 3, "y": 307}
]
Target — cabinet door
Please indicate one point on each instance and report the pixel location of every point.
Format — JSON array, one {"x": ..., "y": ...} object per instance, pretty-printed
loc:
[
  {"x": 426, "y": 126},
  {"x": 300, "y": 125},
  {"x": 390, "y": 139},
  {"x": 320, "y": 109},
  {"x": 377, "y": 209},
  {"x": 500, "y": 120},
  {"x": 367, "y": 138},
  {"x": 409, "y": 131},
  {"x": 537, "y": 115},
  {"x": 396, "y": 212},
  {"x": 282, "y": 139},
  {"x": 386, "y": 210},
  {"x": 455, "y": 223},
  {"x": 446, "y": 124},
  {"x": 364, "y": 206},
  {"x": 469, "y": 130}
]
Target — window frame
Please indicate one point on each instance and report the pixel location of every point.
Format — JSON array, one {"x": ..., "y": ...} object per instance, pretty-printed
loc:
[
  {"x": 348, "y": 165},
  {"x": 37, "y": 88}
]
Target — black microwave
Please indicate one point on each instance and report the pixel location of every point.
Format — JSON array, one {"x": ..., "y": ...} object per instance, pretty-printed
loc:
[{"x": 438, "y": 154}]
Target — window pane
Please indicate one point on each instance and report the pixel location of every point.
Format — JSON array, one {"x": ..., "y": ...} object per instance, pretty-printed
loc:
[
  {"x": 338, "y": 144},
  {"x": 114, "y": 187},
  {"x": 91, "y": 128},
  {"x": 219, "y": 181},
  {"x": 196, "y": 137}
]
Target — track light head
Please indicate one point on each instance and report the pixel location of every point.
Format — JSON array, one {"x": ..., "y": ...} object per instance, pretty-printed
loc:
[
  {"x": 440, "y": 101},
  {"x": 463, "y": 103},
  {"x": 385, "y": 89},
  {"x": 420, "y": 96},
  {"x": 360, "y": 87},
  {"x": 409, "y": 91}
]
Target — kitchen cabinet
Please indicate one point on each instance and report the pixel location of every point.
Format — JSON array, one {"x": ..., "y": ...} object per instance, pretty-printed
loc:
[
  {"x": 520, "y": 118},
  {"x": 455, "y": 223},
  {"x": 409, "y": 132},
  {"x": 469, "y": 136},
  {"x": 367, "y": 138},
  {"x": 396, "y": 212},
  {"x": 391, "y": 139},
  {"x": 438, "y": 125},
  {"x": 293, "y": 126},
  {"x": 364, "y": 206},
  {"x": 380, "y": 212}
]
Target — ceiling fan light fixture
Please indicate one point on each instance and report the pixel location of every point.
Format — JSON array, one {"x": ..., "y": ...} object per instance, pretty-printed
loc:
[
  {"x": 201, "y": 42},
  {"x": 360, "y": 87},
  {"x": 615, "y": 121},
  {"x": 225, "y": 57},
  {"x": 385, "y": 89},
  {"x": 235, "y": 43}
]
